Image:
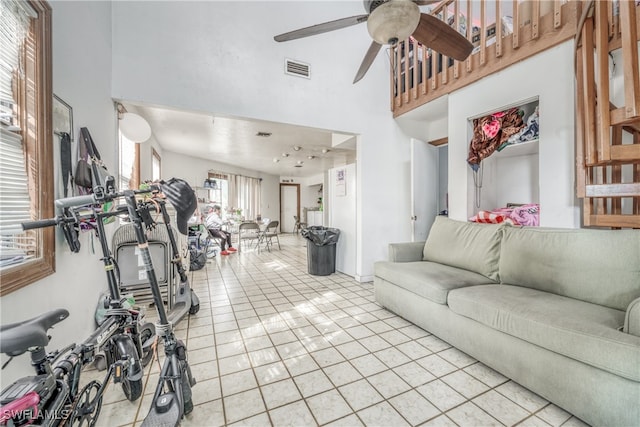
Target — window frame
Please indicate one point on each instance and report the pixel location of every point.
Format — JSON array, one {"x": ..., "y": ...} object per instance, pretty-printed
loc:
[
  {"x": 34, "y": 118},
  {"x": 155, "y": 157}
]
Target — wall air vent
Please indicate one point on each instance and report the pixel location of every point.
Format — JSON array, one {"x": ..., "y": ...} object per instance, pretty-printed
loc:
[{"x": 297, "y": 68}]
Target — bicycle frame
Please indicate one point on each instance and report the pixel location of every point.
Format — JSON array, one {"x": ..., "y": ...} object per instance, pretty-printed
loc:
[{"x": 53, "y": 396}]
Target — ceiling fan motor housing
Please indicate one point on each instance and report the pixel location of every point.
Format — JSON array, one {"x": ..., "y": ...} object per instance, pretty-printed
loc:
[{"x": 393, "y": 20}]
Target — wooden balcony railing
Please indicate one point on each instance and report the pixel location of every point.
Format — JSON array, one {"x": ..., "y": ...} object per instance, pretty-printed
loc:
[
  {"x": 523, "y": 28},
  {"x": 608, "y": 135}
]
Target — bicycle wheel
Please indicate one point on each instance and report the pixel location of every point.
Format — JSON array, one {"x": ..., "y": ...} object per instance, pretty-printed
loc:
[
  {"x": 132, "y": 389},
  {"x": 146, "y": 332},
  {"x": 88, "y": 406},
  {"x": 132, "y": 378},
  {"x": 186, "y": 388}
]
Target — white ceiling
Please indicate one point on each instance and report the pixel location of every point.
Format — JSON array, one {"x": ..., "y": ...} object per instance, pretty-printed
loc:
[{"x": 234, "y": 141}]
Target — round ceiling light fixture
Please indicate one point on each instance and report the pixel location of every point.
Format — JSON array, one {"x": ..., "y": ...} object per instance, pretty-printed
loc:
[
  {"x": 297, "y": 148},
  {"x": 134, "y": 127},
  {"x": 393, "y": 21}
]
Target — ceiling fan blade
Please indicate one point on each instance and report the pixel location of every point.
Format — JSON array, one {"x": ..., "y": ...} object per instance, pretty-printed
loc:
[
  {"x": 321, "y": 28},
  {"x": 442, "y": 38},
  {"x": 367, "y": 61}
]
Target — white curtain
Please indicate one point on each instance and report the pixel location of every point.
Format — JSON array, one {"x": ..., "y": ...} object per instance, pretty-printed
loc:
[{"x": 245, "y": 193}]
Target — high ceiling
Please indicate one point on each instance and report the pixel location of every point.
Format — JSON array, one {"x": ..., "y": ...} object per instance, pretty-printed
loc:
[{"x": 235, "y": 141}]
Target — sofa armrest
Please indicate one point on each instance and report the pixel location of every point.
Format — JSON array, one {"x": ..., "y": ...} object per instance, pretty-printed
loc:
[
  {"x": 632, "y": 318},
  {"x": 406, "y": 252}
]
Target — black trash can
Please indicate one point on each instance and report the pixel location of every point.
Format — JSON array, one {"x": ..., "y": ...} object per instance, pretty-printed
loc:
[{"x": 321, "y": 249}]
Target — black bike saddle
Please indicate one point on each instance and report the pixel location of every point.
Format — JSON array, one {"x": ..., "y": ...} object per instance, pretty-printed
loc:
[{"x": 16, "y": 338}]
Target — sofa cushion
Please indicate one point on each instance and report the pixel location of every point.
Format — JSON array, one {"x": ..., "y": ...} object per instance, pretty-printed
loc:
[
  {"x": 597, "y": 266},
  {"x": 427, "y": 279},
  {"x": 576, "y": 329},
  {"x": 470, "y": 246}
]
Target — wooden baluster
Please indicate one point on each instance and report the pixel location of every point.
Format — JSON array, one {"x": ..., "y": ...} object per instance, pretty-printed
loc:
[
  {"x": 392, "y": 82},
  {"x": 598, "y": 179},
  {"x": 589, "y": 92},
  {"x": 498, "y": 29},
  {"x": 407, "y": 62},
  {"x": 616, "y": 171},
  {"x": 445, "y": 59},
  {"x": 483, "y": 33},
  {"x": 630, "y": 53},
  {"x": 416, "y": 57},
  {"x": 434, "y": 69},
  {"x": 456, "y": 25},
  {"x": 425, "y": 58},
  {"x": 399, "y": 78},
  {"x": 581, "y": 170},
  {"x": 557, "y": 14},
  {"x": 516, "y": 24},
  {"x": 602, "y": 84},
  {"x": 535, "y": 19},
  {"x": 470, "y": 33},
  {"x": 613, "y": 23}
]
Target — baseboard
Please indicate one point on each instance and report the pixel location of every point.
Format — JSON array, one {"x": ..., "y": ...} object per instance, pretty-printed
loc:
[{"x": 363, "y": 279}]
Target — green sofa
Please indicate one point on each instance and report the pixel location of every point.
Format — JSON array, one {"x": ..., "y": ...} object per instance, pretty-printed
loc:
[{"x": 556, "y": 310}]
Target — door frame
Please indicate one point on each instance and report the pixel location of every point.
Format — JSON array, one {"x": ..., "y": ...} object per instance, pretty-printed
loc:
[{"x": 288, "y": 184}]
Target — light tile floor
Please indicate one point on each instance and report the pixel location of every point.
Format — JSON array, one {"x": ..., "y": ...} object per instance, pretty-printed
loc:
[{"x": 273, "y": 345}]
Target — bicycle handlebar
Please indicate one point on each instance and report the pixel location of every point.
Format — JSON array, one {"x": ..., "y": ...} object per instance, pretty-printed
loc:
[
  {"x": 72, "y": 202},
  {"x": 39, "y": 224}
]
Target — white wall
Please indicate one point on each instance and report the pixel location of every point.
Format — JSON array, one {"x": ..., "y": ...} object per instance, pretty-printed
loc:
[
  {"x": 82, "y": 78},
  {"x": 342, "y": 216},
  {"x": 549, "y": 76},
  {"x": 195, "y": 170},
  {"x": 220, "y": 57}
]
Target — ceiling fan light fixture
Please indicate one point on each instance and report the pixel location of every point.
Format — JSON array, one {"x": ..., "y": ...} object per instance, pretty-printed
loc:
[{"x": 393, "y": 21}]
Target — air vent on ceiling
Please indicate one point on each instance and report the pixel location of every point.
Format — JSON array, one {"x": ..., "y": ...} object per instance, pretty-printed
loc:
[{"x": 297, "y": 68}]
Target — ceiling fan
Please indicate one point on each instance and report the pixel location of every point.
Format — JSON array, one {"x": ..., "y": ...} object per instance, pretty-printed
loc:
[{"x": 390, "y": 21}]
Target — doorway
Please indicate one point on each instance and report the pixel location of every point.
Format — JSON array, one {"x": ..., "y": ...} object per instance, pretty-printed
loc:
[{"x": 289, "y": 206}]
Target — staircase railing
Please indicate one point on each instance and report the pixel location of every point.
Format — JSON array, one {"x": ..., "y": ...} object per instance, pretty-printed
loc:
[{"x": 522, "y": 29}]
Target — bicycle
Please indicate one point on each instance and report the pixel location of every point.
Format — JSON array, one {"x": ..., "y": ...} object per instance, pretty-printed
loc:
[
  {"x": 51, "y": 396},
  {"x": 173, "y": 395}
]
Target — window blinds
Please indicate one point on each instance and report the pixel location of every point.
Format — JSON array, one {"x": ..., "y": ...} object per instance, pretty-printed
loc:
[{"x": 16, "y": 246}]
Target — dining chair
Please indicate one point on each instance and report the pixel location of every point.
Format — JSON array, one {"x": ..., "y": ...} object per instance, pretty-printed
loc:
[
  {"x": 248, "y": 232},
  {"x": 298, "y": 225},
  {"x": 270, "y": 231}
]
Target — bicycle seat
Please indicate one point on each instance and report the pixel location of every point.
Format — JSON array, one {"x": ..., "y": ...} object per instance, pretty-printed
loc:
[{"x": 16, "y": 338}]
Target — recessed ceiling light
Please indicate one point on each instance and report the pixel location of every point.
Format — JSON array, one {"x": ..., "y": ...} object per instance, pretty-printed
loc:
[
  {"x": 263, "y": 134},
  {"x": 311, "y": 157},
  {"x": 299, "y": 162},
  {"x": 325, "y": 150},
  {"x": 276, "y": 160},
  {"x": 297, "y": 148},
  {"x": 285, "y": 154}
]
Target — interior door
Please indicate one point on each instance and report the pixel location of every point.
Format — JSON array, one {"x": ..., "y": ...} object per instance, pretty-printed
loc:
[
  {"x": 289, "y": 206},
  {"x": 424, "y": 188}
]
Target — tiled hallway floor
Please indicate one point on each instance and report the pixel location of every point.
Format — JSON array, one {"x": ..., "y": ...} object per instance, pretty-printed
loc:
[{"x": 273, "y": 345}]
